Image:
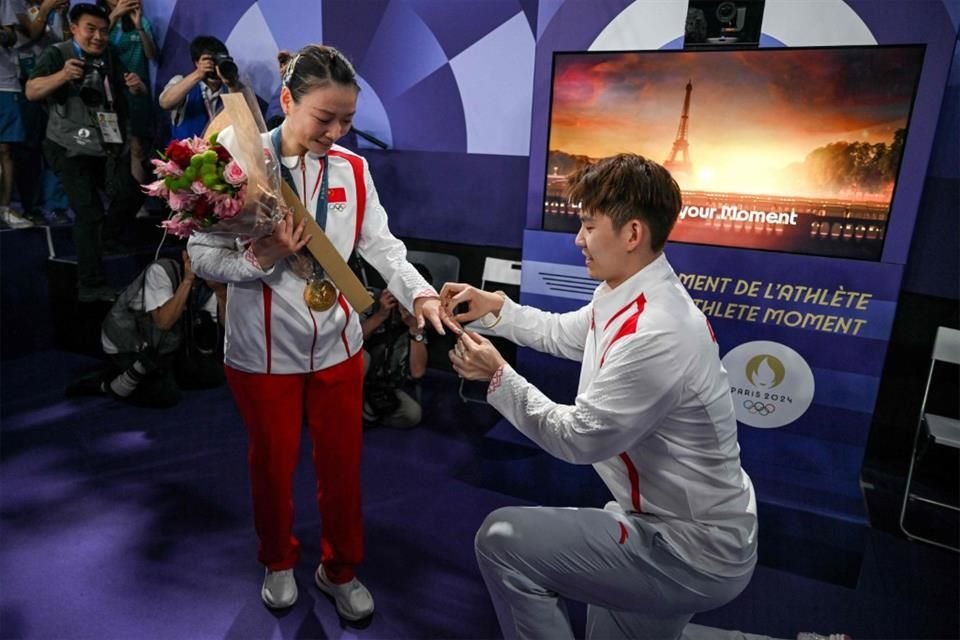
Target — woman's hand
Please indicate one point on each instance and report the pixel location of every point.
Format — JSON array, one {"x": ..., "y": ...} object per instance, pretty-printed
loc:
[
  {"x": 285, "y": 241},
  {"x": 479, "y": 302},
  {"x": 475, "y": 358},
  {"x": 429, "y": 308}
]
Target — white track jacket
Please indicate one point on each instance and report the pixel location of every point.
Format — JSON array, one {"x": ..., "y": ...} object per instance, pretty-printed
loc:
[
  {"x": 269, "y": 327},
  {"x": 654, "y": 414}
]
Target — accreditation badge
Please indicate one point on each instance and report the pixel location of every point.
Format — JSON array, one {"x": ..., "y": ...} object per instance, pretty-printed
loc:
[{"x": 109, "y": 127}]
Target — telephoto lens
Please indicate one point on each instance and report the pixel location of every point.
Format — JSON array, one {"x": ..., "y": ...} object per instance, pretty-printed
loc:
[
  {"x": 91, "y": 86},
  {"x": 227, "y": 68}
]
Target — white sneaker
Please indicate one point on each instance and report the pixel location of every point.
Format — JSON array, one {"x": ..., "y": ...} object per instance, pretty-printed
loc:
[
  {"x": 13, "y": 219},
  {"x": 809, "y": 635},
  {"x": 279, "y": 589},
  {"x": 353, "y": 600}
]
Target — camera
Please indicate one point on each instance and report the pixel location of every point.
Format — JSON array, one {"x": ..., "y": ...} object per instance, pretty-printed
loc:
[
  {"x": 712, "y": 23},
  {"x": 91, "y": 85},
  {"x": 226, "y": 67}
]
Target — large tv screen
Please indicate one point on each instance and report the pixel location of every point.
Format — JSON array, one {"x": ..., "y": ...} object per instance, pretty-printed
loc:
[{"x": 781, "y": 149}]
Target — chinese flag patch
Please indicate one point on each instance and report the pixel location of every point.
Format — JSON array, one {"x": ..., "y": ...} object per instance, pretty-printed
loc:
[{"x": 336, "y": 195}]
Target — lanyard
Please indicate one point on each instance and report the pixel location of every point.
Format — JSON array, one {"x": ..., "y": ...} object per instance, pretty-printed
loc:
[{"x": 320, "y": 215}]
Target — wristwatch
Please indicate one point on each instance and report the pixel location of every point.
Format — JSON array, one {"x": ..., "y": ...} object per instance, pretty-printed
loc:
[{"x": 418, "y": 337}]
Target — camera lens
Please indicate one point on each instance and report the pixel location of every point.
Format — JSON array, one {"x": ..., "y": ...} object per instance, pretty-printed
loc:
[
  {"x": 726, "y": 12},
  {"x": 91, "y": 87},
  {"x": 227, "y": 68}
]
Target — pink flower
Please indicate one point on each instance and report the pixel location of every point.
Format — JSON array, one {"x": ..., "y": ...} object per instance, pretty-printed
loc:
[
  {"x": 164, "y": 168},
  {"x": 157, "y": 189},
  {"x": 198, "y": 188},
  {"x": 180, "y": 201},
  {"x": 197, "y": 144},
  {"x": 234, "y": 174},
  {"x": 227, "y": 207},
  {"x": 180, "y": 227}
]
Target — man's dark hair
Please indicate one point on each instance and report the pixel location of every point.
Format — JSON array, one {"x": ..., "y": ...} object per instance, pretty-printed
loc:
[
  {"x": 206, "y": 45},
  {"x": 77, "y": 11},
  {"x": 628, "y": 187},
  {"x": 316, "y": 66}
]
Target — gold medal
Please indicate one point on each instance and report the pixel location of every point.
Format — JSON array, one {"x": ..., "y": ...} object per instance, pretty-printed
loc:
[{"x": 320, "y": 295}]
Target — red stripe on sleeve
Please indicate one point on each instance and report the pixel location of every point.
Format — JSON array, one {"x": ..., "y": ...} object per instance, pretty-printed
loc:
[
  {"x": 629, "y": 327},
  {"x": 634, "y": 482}
]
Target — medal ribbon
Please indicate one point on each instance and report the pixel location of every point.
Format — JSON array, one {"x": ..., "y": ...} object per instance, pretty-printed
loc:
[{"x": 323, "y": 181}]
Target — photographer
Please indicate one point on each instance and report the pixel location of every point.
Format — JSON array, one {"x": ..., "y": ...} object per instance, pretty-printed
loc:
[
  {"x": 87, "y": 142},
  {"x": 163, "y": 334},
  {"x": 395, "y": 358},
  {"x": 131, "y": 33},
  {"x": 194, "y": 99}
]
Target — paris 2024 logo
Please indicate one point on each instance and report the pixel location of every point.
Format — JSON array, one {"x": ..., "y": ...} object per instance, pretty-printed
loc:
[{"x": 772, "y": 384}]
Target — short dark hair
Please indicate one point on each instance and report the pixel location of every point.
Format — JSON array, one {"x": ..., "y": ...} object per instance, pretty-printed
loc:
[
  {"x": 77, "y": 11},
  {"x": 315, "y": 66},
  {"x": 628, "y": 187},
  {"x": 206, "y": 45}
]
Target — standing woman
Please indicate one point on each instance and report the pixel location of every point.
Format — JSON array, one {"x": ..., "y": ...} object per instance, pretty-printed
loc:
[
  {"x": 289, "y": 354},
  {"x": 132, "y": 38}
]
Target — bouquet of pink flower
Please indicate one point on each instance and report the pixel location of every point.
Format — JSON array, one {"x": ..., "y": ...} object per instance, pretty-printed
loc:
[{"x": 201, "y": 182}]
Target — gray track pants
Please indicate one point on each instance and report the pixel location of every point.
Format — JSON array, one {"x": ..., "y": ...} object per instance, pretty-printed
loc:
[{"x": 633, "y": 582}]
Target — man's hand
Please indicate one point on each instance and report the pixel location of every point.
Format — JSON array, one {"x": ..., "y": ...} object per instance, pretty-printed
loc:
[
  {"x": 187, "y": 267},
  {"x": 135, "y": 84},
  {"x": 409, "y": 320},
  {"x": 479, "y": 302},
  {"x": 387, "y": 304},
  {"x": 475, "y": 358},
  {"x": 206, "y": 68},
  {"x": 122, "y": 8},
  {"x": 72, "y": 70},
  {"x": 285, "y": 241},
  {"x": 50, "y": 5}
]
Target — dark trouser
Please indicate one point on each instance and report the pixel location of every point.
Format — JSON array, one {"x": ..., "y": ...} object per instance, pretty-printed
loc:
[{"x": 82, "y": 178}]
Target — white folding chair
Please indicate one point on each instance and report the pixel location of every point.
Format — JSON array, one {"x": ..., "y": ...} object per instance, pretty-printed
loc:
[
  {"x": 937, "y": 430},
  {"x": 497, "y": 274}
]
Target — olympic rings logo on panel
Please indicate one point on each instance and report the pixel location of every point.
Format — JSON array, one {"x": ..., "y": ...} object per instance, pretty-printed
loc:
[
  {"x": 772, "y": 385},
  {"x": 758, "y": 408}
]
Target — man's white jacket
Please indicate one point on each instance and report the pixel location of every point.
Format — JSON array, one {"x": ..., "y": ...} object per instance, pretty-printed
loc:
[{"x": 653, "y": 414}]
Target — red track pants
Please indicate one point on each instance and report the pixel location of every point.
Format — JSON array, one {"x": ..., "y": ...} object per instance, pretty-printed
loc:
[{"x": 272, "y": 407}]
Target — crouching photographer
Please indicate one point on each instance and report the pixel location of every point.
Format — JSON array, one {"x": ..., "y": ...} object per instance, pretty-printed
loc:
[
  {"x": 87, "y": 143},
  {"x": 394, "y": 360},
  {"x": 164, "y": 333}
]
